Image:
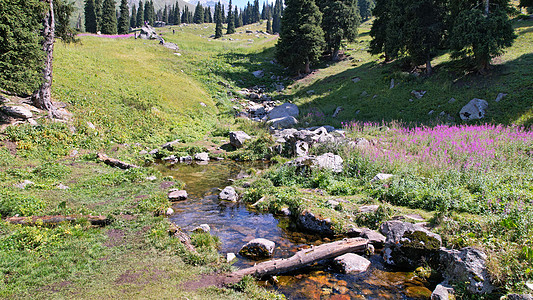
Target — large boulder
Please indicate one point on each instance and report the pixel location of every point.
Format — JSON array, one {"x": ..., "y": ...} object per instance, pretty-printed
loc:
[
  {"x": 258, "y": 249},
  {"x": 474, "y": 110},
  {"x": 313, "y": 223},
  {"x": 328, "y": 161},
  {"x": 228, "y": 194},
  {"x": 203, "y": 156},
  {"x": 466, "y": 266},
  {"x": 177, "y": 195},
  {"x": 351, "y": 263},
  {"x": 284, "y": 110},
  {"x": 17, "y": 112},
  {"x": 442, "y": 292},
  {"x": 148, "y": 33},
  {"x": 284, "y": 122},
  {"x": 237, "y": 138},
  {"x": 408, "y": 245}
]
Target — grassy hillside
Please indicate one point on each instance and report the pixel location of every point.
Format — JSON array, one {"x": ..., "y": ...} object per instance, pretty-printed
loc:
[{"x": 372, "y": 99}]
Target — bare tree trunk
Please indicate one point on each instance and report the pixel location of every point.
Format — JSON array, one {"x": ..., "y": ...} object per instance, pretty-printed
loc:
[
  {"x": 335, "y": 55},
  {"x": 307, "y": 66},
  {"x": 429, "y": 68},
  {"x": 43, "y": 97},
  {"x": 487, "y": 8}
]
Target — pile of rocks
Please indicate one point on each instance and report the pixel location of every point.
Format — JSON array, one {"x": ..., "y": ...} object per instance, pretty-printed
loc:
[{"x": 298, "y": 142}]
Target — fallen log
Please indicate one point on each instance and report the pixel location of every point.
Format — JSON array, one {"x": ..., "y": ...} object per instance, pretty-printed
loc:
[
  {"x": 184, "y": 238},
  {"x": 303, "y": 258},
  {"x": 54, "y": 220},
  {"x": 115, "y": 162}
]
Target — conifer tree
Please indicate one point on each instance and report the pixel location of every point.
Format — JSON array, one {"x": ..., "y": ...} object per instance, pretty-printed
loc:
[
  {"x": 185, "y": 15},
  {"x": 219, "y": 17},
  {"x": 98, "y": 4},
  {"x": 21, "y": 53},
  {"x": 341, "y": 20},
  {"x": 109, "y": 17},
  {"x": 264, "y": 11},
  {"x": 177, "y": 16},
  {"x": 301, "y": 39},
  {"x": 133, "y": 18},
  {"x": 206, "y": 16},
  {"x": 198, "y": 14},
  {"x": 223, "y": 13},
  {"x": 165, "y": 15},
  {"x": 256, "y": 15},
  {"x": 140, "y": 15},
  {"x": 269, "y": 23},
  {"x": 236, "y": 17},
  {"x": 365, "y": 8},
  {"x": 124, "y": 21},
  {"x": 209, "y": 15},
  {"x": 231, "y": 20},
  {"x": 91, "y": 22},
  {"x": 240, "y": 21},
  {"x": 147, "y": 11},
  {"x": 276, "y": 17}
]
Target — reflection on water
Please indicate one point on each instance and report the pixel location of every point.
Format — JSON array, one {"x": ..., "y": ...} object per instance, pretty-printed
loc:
[{"x": 235, "y": 225}]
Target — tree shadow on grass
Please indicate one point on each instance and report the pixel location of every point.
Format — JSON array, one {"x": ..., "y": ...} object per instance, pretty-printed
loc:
[{"x": 372, "y": 99}]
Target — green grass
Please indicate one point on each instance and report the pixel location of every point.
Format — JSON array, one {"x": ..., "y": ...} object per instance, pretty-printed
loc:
[{"x": 333, "y": 87}]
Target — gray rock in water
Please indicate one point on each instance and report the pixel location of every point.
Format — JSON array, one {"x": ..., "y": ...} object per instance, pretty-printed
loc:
[
  {"x": 203, "y": 156},
  {"x": 202, "y": 228},
  {"x": 258, "y": 73},
  {"x": 474, "y": 110},
  {"x": 284, "y": 110},
  {"x": 228, "y": 194},
  {"x": 373, "y": 237},
  {"x": 351, "y": 263},
  {"x": 442, "y": 292},
  {"x": 284, "y": 122},
  {"x": 230, "y": 257},
  {"x": 466, "y": 266},
  {"x": 409, "y": 245},
  {"x": 311, "y": 222},
  {"x": 17, "y": 112},
  {"x": 177, "y": 195},
  {"x": 258, "y": 249},
  {"x": 237, "y": 138},
  {"x": 169, "y": 211}
]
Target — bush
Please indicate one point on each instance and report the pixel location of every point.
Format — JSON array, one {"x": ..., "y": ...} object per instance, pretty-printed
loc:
[{"x": 259, "y": 188}]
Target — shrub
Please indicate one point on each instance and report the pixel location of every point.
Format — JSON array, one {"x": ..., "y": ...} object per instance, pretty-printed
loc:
[{"x": 13, "y": 203}]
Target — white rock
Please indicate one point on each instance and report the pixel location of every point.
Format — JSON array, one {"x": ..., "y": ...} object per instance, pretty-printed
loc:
[
  {"x": 151, "y": 178},
  {"x": 202, "y": 228},
  {"x": 230, "y": 257},
  {"x": 24, "y": 184},
  {"x": 228, "y": 194},
  {"x": 169, "y": 211},
  {"x": 91, "y": 125},
  {"x": 62, "y": 187},
  {"x": 474, "y": 110},
  {"x": 381, "y": 177},
  {"x": 258, "y": 248},
  {"x": 17, "y": 111},
  {"x": 284, "y": 110},
  {"x": 259, "y": 73},
  {"x": 202, "y": 156},
  {"x": 351, "y": 263},
  {"x": 177, "y": 195}
]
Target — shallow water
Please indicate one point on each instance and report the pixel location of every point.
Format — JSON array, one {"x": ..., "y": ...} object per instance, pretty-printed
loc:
[{"x": 235, "y": 225}]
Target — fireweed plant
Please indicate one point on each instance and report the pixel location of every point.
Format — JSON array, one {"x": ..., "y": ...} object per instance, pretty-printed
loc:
[{"x": 471, "y": 168}]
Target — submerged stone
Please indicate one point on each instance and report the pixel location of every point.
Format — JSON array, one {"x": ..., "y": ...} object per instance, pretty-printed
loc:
[{"x": 258, "y": 249}]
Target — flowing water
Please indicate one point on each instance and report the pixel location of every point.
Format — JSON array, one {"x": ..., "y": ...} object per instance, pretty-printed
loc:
[{"x": 235, "y": 225}]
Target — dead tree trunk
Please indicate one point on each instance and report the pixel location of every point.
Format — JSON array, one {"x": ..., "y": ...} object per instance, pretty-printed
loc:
[
  {"x": 42, "y": 98},
  {"x": 115, "y": 162},
  {"x": 303, "y": 258}
]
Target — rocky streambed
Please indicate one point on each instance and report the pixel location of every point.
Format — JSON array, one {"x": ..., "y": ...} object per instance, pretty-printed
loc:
[{"x": 236, "y": 224}]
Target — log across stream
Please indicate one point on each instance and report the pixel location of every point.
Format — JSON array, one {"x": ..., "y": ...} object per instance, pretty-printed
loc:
[{"x": 235, "y": 225}]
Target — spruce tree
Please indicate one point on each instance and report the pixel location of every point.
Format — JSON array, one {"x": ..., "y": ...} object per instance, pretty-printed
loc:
[
  {"x": 365, "y": 8},
  {"x": 146, "y": 17},
  {"x": 264, "y": 12},
  {"x": 109, "y": 17},
  {"x": 62, "y": 13},
  {"x": 301, "y": 39},
  {"x": 269, "y": 23},
  {"x": 140, "y": 15},
  {"x": 236, "y": 17},
  {"x": 240, "y": 21},
  {"x": 198, "y": 14},
  {"x": 165, "y": 15},
  {"x": 133, "y": 18},
  {"x": 209, "y": 15},
  {"x": 219, "y": 17},
  {"x": 276, "y": 17},
  {"x": 341, "y": 20},
  {"x": 177, "y": 16},
  {"x": 99, "y": 13},
  {"x": 21, "y": 53},
  {"x": 256, "y": 15},
  {"x": 480, "y": 33},
  {"x": 223, "y": 13},
  {"x": 91, "y": 22},
  {"x": 206, "y": 15},
  {"x": 124, "y": 21},
  {"x": 231, "y": 20}
]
